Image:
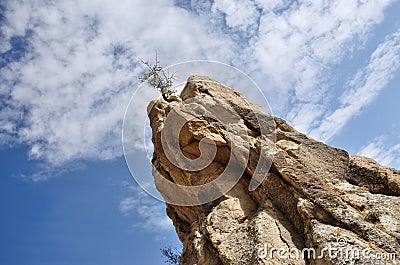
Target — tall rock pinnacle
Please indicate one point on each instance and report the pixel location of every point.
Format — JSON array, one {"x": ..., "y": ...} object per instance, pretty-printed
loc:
[{"x": 244, "y": 187}]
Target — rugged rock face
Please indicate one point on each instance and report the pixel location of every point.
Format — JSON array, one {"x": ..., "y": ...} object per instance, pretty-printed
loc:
[{"x": 314, "y": 197}]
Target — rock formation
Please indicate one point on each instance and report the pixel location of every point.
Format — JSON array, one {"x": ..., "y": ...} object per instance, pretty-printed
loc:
[{"x": 315, "y": 205}]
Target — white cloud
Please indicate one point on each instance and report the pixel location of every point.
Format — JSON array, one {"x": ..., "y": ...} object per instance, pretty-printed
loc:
[
  {"x": 299, "y": 43},
  {"x": 67, "y": 96},
  {"x": 240, "y": 14},
  {"x": 151, "y": 211},
  {"x": 364, "y": 87},
  {"x": 79, "y": 72},
  {"x": 383, "y": 150},
  {"x": 126, "y": 205}
]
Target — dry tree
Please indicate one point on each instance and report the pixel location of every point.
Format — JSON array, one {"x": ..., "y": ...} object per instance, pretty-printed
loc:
[{"x": 157, "y": 77}]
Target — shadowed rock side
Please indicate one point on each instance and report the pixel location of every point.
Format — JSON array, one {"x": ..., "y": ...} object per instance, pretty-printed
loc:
[{"x": 314, "y": 196}]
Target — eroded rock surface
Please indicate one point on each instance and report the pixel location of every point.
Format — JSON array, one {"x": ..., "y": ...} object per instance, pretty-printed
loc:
[{"x": 313, "y": 197}]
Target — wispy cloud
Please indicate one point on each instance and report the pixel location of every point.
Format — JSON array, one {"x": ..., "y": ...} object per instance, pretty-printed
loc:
[
  {"x": 383, "y": 150},
  {"x": 150, "y": 211},
  {"x": 43, "y": 171},
  {"x": 364, "y": 87}
]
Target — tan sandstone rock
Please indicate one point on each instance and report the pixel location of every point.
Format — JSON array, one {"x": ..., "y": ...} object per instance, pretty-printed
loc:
[{"x": 313, "y": 197}]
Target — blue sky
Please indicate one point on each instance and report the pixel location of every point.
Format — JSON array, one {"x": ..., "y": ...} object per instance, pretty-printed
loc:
[{"x": 68, "y": 70}]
